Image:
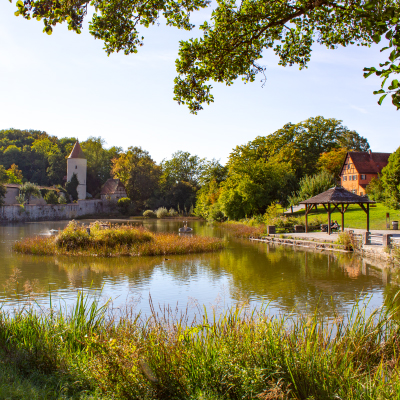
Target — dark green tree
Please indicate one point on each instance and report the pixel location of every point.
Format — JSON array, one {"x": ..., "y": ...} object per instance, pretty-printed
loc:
[
  {"x": 391, "y": 180},
  {"x": 251, "y": 187},
  {"x": 183, "y": 167},
  {"x": 310, "y": 186},
  {"x": 72, "y": 187},
  {"x": 236, "y": 35},
  {"x": 3, "y": 180},
  {"x": 99, "y": 163}
]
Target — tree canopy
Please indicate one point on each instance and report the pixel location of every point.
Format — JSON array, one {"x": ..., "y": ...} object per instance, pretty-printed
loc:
[
  {"x": 391, "y": 180},
  {"x": 233, "y": 40}
]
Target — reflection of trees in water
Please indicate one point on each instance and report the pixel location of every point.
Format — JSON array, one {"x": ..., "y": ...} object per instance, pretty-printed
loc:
[
  {"x": 84, "y": 271},
  {"x": 296, "y": 277}
]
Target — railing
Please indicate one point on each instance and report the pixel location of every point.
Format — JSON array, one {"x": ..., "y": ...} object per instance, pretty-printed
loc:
[{"x": 375, "y": 238}]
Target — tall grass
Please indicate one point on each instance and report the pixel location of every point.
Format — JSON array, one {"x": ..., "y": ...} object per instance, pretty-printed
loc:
[
  {"x": 238, "y": 355},
  {"x": 114, "y": 241},
  {"x": 241, "y": 230}
]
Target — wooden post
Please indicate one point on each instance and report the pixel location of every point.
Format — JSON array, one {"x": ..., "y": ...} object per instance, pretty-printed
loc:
[
  {"x": 342, "y": 217},
  {"x": 368, "y": 217},
  {"x": 329, "y": 218},
  {"x": 306, "y": 218}
]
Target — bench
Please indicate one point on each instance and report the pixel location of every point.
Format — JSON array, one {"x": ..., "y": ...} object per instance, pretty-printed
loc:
[{"x": 324, "y": 228}]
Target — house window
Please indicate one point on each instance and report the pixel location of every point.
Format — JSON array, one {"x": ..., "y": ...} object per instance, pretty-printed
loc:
[
  {"x": 348, "y": 166},
  {"x": 363, "y": 177},
  {"x": 344, "y": 178},
  {"x": 354, "y": 191},
  {"x": 354, "y": 177},
  {"x": 361, "y": 194},
  {"x": 350, "y": 177}
]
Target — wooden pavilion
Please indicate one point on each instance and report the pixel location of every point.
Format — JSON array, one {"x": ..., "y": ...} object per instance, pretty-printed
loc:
[{"x": 336, "y": 198}]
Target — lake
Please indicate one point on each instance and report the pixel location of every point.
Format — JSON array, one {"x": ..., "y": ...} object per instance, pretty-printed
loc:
[{"x": 249, "y": 273}]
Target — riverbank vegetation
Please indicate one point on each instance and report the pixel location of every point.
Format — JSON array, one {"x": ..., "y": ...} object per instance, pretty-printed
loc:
[
  {"x": 291, "y": 164},
  {"x": 91, "y": 353},
  {"x": 113, "y": 241}
]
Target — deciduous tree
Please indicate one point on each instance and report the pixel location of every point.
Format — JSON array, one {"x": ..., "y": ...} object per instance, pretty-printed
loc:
[
  {"x": 332, "y": 161},
  {"x": 236, "y": 35},
  {"x": 3, "y": 180},
  {"x": 99, "y": 162},
  {"x": 391, "y": 180},
  {"x": 139, "y": 173}
]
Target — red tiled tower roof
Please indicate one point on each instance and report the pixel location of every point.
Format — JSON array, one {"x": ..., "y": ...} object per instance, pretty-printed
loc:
[{"x": 77, "y": 151}]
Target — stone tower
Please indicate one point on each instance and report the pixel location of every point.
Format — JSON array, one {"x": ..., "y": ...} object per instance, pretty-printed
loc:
[{"x": 77, "y": 164}]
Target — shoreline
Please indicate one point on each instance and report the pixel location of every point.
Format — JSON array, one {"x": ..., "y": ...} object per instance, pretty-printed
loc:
[{"x": 374, "y": 252}]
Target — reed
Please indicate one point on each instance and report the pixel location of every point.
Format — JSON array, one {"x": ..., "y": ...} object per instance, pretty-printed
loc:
[
  {"x": 238, "y": 355},
  {"x": 241, "y": 230},
  {"x": 115, "y": 241}
]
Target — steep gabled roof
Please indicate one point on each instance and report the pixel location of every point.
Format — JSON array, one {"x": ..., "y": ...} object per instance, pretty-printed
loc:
[
  {"x": 367, "y": 162},
  {"x": 77, "y": 151},
  {"x": 112, "y": 186},
  {"x": 337, "y": 195}
]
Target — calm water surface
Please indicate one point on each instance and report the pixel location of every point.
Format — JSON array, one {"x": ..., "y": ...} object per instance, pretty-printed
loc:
[{"x": 254, "y": 273}]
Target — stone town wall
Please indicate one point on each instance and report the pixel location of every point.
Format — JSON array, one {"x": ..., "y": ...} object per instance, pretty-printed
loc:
[{"x": 34, "y": 212}]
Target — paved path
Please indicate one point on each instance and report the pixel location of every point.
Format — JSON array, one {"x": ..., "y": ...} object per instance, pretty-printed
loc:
[
  {"x": 295, "y": 208},
  {"x": 334, "y": 235}
]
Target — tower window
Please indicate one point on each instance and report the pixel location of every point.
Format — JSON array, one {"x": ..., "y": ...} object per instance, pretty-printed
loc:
[{"x": 76, "y": 167}]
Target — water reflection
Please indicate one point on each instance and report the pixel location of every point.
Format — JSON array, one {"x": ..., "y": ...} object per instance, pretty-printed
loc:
[{"x": 253, "y": 273}]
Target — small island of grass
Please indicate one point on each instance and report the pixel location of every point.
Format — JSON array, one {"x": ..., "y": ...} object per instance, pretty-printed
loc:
[{"x": 113, "y": 241}]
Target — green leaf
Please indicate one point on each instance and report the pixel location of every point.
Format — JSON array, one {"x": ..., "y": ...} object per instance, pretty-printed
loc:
[
  {"x": 381, "y": 99},
  {"x": 376, "y": 38}
]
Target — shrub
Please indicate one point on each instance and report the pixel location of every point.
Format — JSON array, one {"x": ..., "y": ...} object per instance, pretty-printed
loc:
[
  {"x": 347, "y": 240},
  {"x": 27, "y": 191},
  {"x": 396, "y": 253},
  {"x": 62, "y": 199},
  {"x": 149, "y": 214},
  {"x": 216, "y": 214},
  {"x": 78, "y": 237},
  {"x": 124, "y": 205},
  {"x": 51, "y": 197},
  {"x": 162, "y": 212},
  {"x": 172, "y": 212}
]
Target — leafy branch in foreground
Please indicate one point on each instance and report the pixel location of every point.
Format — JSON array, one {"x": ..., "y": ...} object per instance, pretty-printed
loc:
[{"x": 236, "y": 35}]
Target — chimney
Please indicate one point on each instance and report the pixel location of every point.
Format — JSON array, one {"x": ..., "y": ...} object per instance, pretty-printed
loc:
[{"x": 370, "y": 153}]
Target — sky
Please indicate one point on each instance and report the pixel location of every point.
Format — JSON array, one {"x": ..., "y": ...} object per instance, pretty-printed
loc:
[{"x": 66, "y": 85}]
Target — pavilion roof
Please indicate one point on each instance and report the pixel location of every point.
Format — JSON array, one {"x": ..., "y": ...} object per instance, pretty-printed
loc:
[{"x": 337, "y": 195}]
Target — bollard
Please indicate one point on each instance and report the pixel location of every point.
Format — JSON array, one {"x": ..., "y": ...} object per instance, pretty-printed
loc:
[
  {"x": 366, "y": 240},
  {"x": 386, "y": 240}
]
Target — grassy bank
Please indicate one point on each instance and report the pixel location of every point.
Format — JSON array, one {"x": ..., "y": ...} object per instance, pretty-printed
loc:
[
  {"x": 237, "y": 356},
  {"x": 114, "y": 241},
  {"x": 354, "y": 217}
]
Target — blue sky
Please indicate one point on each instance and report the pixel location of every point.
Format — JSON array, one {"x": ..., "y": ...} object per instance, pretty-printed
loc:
[{"x": 65, "y": 84}]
